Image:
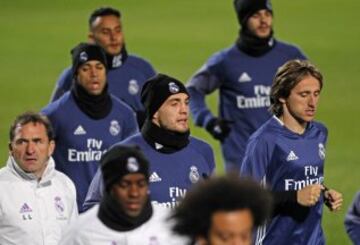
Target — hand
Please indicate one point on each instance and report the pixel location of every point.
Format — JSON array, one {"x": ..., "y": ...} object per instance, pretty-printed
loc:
[
  {"x": 333, "y": 199},
  {"x": 309, "y": 195},
  {"x": 219, "y": 128}
]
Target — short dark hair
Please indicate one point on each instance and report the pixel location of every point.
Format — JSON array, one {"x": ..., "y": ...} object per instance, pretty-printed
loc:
[
  {"x": 286, "y": 78},
  {"x": 227, "y": 193},
  {"x": 32, "y": 117},
  {"x": 103, "y": 11}
]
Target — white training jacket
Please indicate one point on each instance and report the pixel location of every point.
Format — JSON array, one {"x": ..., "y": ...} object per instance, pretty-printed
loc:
[
  {"x": 89, "y": 230},
  {"x": 34, "y": 212}
]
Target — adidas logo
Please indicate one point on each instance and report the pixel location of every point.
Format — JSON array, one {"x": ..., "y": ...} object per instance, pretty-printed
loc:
[
  {"x": 154, "y": 177},
  {"x": 25, "y": 208},
  {"x": 244, "y": 77},
  {"x": 79, "y": 130},
  {"x": 291, "y": 157}
]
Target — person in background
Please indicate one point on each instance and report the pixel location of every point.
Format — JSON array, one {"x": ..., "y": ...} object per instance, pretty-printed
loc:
[
  {"x": 243, "y": 75},
  {"x": 127, "y": 73}
]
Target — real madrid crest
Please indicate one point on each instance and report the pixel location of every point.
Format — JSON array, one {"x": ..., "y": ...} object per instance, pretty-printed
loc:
[
  {"x": 83, "y": 56},
  {"x": 114, "y": 128},
  {"x": 321, "y": 151},
  {"x": 173, "y": 88},
  {"x": 133, "y": 87},
  {"x": 194, "y": 175},
  {"x": 132, "y": 165},
  {"x": 59, "y": 205}
]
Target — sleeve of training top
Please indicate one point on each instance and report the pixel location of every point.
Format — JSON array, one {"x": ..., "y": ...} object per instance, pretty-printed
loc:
[
  {"x": 352, "y": 220},
  {"x": 95, "y": 191},
  {"x": 256, "y": 160},
  {"x": 63, "y": 84},
  {"x": 204, "y": 82},
  {"x": 131, "y": 125}
]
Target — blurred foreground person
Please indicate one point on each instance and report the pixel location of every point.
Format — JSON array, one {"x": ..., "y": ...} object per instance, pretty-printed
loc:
[
  {"x": 125, "y": 214},
  {"x": 222, "y": 210}
]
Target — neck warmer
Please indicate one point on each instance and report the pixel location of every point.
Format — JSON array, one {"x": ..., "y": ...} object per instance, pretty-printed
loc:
[
  {"x": 115, "y": 61},
  {"x": 253, "y": 45},
  {"x": 94, "y": 106},
  {"x": 163, "y": 140},
  {"x": 111, "y": 214}
]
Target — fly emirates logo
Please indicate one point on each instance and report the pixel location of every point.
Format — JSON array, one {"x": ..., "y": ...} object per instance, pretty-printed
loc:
[
  {"x": 261, "y": 98},
  {"x": 311, "y": 178},
  {"x": 176, "y": 194},
  {"x": 93, "y": 152}
]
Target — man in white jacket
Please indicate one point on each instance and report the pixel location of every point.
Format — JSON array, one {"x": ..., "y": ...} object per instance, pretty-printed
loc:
[
  {"x": 36, "y": 202},
  {"x": 125, "y": 214}
]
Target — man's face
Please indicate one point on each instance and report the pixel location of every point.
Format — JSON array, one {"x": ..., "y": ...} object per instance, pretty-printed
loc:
[
  {"x": 260, "y": 23},
  {"x": 106, "y": 31},
  {"x": 92, "y": 77},
  {"x": 131, "y": 192},
  {"x": 300, "y": 107},
  {"x": 174, "y": 113},
  {"x": 31, "y": 148},
  {"x": 234, "y": 227}
]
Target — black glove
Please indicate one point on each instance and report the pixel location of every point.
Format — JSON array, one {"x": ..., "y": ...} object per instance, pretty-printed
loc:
[{"x": 219, "y": 128}]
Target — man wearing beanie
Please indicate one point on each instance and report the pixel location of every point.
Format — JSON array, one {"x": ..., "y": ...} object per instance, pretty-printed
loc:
[
  {"x": 127, "y": 73},
  {"x": 125, "y": 214},
  {"x": 177, "y": 160},
  {"x": 243, "y": 75},
  {"x": 87, "y": 119}
]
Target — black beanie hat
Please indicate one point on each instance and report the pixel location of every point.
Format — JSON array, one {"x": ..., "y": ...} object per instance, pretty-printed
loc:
[
  {"x": 246, "y": 8},
  {"x": 121, "y": 160},
  {"x": 84, "y": 52},
  {"x": 157, "y": 89}
]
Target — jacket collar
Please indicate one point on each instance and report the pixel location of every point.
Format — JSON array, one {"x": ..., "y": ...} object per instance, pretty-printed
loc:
[{"x": 45, "y": 179}]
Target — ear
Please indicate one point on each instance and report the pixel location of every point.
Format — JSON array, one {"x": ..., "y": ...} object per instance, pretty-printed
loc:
[
  {"x": 200, "y": 240},
  {"x": 10, "y": 147},
  {"x": 156, "y": 115},
  {"x": 91, "y": 38},
  {"x": 282, "y": 100},
  {"x": 51, "y": 148}
]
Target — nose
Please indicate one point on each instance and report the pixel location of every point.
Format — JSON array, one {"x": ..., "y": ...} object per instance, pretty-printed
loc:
[
  {"x": 134, "y": 191},
  {"x": 30, "y": 148},
  {"x": 184, "y": 108},
  {"x": 312, "y": 100},
  {"x": 93, "y": 71}
]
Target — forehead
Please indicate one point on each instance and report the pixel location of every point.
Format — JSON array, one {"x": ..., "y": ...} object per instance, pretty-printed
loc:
[
  {"x": 30, "y": 130},
  {"x": 308, "y": 83},
  {"x": 136, "y": 177},
  {"x": 179, "y": 96},
  {"x": 261, "y": 12},
  {"x": 234, "y": 220},
  {"x": 92, "y": 63},
  {"x": 106, "y": 21}
]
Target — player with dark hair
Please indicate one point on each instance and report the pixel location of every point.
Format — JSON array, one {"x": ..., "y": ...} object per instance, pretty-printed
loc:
[
  {"x": 87, "y": 119},
  {"x": 177, "y": 160},
  {"x": 243, "y": 74},
  {"x": 36, "y": 202},
  {"x": 127, "y": 73},
  {"x": 352, "y": 220},
  {"x": 222, "y": 210},
  {"x": 287, "y": 154},
  {"x": 125, "y": 214}
]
